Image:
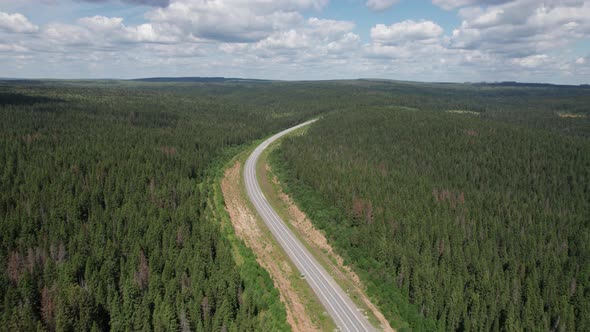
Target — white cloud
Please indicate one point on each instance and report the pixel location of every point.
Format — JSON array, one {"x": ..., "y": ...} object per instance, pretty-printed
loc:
[
  {"x": 291, "y": 39},
  {"x": 452, "y": 4},
  {"x": 101, "y": 23},
  {"x": 312, "y": 40},
  {"x": 156, "y": 3},
  {"x": 233, "y": 20},
  {"x": 485, "y": 19},
  {"x": 12, "y": 48},
  {"x": 16, "y": 23},
  {"x": 379, "y": 5},
  {"x": 59, "y": 34},
  {"x": 405, "y": 31},
  {"x": 106, "y": 32},
  {"x": 181, "y": 50},
  {"x": 496, "y": 40},
  {"x": 523, "y": 27},
  {"x": 531, "y": 61},
  {"x": 408, "y": 44},
  {"x": 328, "y": 28}
]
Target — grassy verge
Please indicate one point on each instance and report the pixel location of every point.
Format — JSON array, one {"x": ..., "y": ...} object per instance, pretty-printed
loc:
[
  {"x": 258, "y": 286},
  {"x": 394, "y": 306},
  {"x": 312, "y": 306},
  {"x": 271, "y": 190}
]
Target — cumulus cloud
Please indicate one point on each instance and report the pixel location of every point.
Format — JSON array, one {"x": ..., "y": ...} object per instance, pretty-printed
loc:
[
  {"x": 233, "y": 20},
  {"x": 312, "y": 40},
  {"x": 154, "y": 3},
  {"x": 101, "y": 23},
  {"x": 113, "y": 29},
  {"x": 496, "y": 40},
  {"x": 380, "y": 5},
  {"x": 16, "y": 23},
  {"x": 59, "y": 34},
  {"x": 523, "y": 27},
  {"x": 101, "y": 32},
  {"x": 518, "y": 38},
  {"x": 452, "y": 4},
  {"x": 405, "y": 31},
  {"x": 409, "y": 46},
  {"x": 329, "y": 28},
  {"x": 531, "y": 61},
  {"x": 180, "y": 50},
  {"x": 12, "y": 48}
]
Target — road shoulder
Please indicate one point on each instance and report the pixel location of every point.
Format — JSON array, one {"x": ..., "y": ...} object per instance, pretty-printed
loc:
[
  {"x": 314, "y": 239},
  {"x": 304, "y": 310}
]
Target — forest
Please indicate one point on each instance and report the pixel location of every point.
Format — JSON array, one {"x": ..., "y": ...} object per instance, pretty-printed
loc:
[
  {"x": 460, "y": 214},
  {"x": 459, "y": 221},
  {"x": 106, "y": 193}
]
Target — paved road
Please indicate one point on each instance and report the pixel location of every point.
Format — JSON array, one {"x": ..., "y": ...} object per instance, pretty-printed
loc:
[{"x": 342, "y": 310}]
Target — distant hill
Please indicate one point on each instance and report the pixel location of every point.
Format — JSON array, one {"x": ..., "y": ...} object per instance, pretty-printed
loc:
[
  {"x": 533, "y": 85},
  {"x": 200, "y": 80},
  {"x": 19, "y": 81}
]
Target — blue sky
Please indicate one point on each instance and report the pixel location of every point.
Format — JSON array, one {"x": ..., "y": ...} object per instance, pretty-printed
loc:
[
  {"x": 421, "y": 40},
  {"x": 365, "y": 18}
]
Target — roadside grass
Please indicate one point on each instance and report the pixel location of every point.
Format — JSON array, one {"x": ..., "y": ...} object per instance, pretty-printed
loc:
[
  {"x": 255, "y": 277},
  {"x": 271, "y": 192},
  {"x": 313, "y": 307},
  {"x": 571, "y": 115},
  {"x": 463, "y": 112}
]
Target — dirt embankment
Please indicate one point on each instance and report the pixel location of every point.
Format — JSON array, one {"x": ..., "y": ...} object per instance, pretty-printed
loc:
[
  {"x": 317, "y": 239},
  {"x": 267, "y": 254}
]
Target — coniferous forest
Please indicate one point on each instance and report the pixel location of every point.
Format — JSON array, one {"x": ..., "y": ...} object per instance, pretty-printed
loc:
[
  {"x": 462, "y": 217},
  {"x": 472, "y": 220},
  {"x": 105, "y": 207}
]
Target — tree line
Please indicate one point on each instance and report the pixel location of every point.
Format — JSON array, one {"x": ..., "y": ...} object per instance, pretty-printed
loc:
[
  {"x": 109, "y": 220},
  {"x": 456, "y": 221},
  {"x": 107, "y": 214}
]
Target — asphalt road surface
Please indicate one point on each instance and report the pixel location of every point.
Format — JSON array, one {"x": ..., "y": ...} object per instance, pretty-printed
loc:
[{"x": 343, "y": 311}]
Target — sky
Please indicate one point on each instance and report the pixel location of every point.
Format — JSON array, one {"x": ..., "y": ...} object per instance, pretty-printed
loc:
[{"x": 417, "y": 40}]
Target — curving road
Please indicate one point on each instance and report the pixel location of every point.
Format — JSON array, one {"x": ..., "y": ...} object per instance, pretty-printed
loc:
[{"x": 343, "y": 311}]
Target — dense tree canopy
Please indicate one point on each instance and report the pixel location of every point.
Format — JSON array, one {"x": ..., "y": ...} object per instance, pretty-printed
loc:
[
  {"x": 109, "y": 216},
  {"x": 478, "y": 218},
  {"x": 106, "y": 210}
]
